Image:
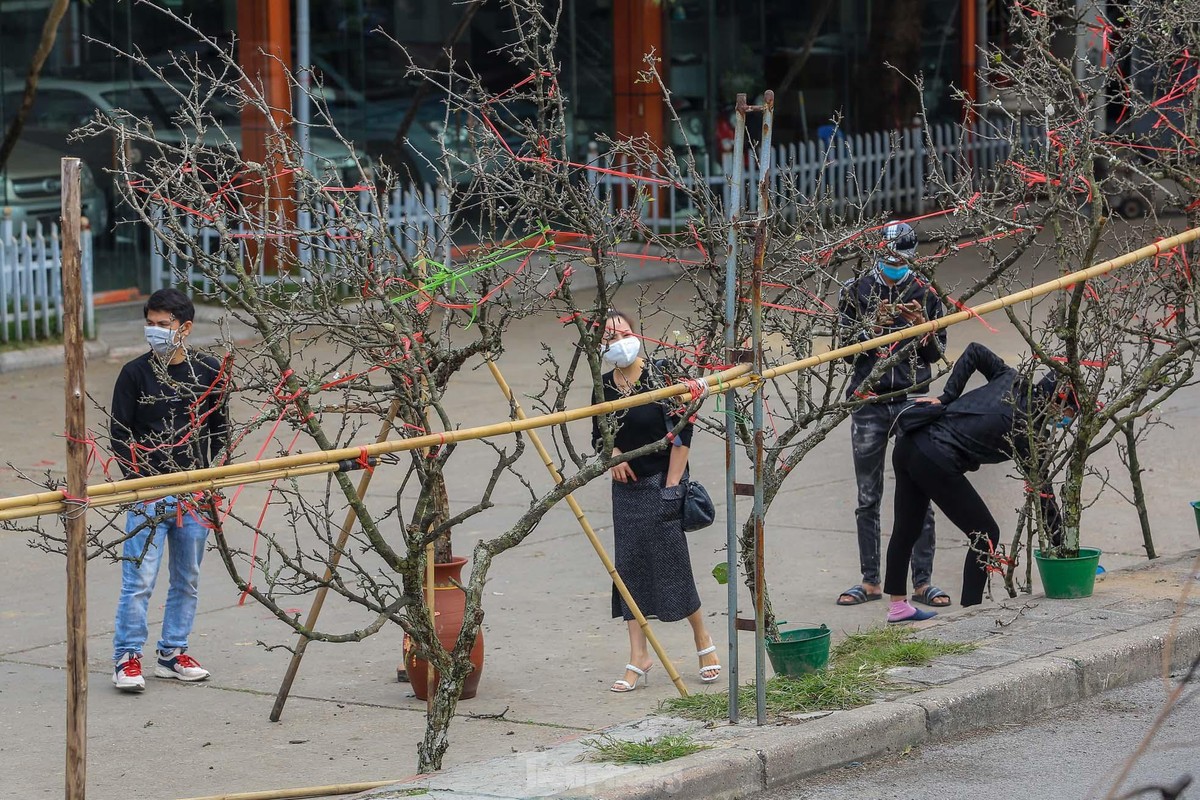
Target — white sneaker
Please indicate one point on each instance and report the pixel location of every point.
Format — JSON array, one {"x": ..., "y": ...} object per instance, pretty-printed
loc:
[
  {"x": 178, "y": 665},
  {"x": 127, "y": 674}
]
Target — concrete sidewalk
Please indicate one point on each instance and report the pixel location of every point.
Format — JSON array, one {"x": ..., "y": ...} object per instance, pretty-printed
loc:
[
  {"x": 1034, "y": 655},
  {"x": 552, "y": 650}
]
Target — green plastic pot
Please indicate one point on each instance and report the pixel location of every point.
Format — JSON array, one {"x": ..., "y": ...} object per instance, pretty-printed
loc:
[
  {"x": 800, "y": 651},
  {"x": 1068, "y": 578},
  {"x": 1196, "y": 508}
]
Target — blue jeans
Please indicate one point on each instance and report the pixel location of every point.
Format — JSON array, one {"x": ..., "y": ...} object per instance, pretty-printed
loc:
[
  {"x": 870, "y": 427},
  {"x": 154, "y": 527}
]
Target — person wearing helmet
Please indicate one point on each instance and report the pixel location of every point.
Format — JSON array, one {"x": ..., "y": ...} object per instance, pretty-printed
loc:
[{"x": 888, "y": 297}]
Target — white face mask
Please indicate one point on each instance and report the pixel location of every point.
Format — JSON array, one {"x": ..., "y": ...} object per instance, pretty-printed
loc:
[
  {"x": 622, "y": 352},
  {"x": 162, "y": 341}
]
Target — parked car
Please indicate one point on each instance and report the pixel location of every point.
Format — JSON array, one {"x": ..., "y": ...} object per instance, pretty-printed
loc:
[
  {"x": 62, "y": 105},
  {"x": 31, "y": 189}
]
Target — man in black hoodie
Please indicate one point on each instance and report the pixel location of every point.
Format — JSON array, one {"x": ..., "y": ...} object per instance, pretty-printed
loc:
[
  {"x": 887, "y": 298},
  {"x": 988, "y": 425},
  {"x": 168, "y": 415}
]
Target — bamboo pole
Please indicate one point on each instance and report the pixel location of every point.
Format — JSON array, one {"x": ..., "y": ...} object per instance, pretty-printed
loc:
[
  {"x": 168, "y": 483},
  {"x": 335, "y": 556},
  {"x": 733, "y": 378},
  {"x": 154, "y": 494},
  {"x": 1142, "y": 253},
  {"x": 588, "y": 531},
  {"x": 75, "y": 518},
  {"x": 304, "y": 791}
]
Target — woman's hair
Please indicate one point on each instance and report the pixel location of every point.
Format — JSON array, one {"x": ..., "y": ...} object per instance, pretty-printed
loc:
[{"x": 616, "y": 313}]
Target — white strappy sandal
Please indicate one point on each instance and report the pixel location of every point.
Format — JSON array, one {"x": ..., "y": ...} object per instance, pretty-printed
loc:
[
  {"x": 621, "y": 685},
  {"x": 712, "y": 672}
]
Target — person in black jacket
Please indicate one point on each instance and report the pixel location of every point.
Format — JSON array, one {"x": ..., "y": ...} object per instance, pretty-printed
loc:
[
  {"x": 168, "y": 415},
  {"x": 987, "y": 425},
  {"x": 887, "y": 298}
]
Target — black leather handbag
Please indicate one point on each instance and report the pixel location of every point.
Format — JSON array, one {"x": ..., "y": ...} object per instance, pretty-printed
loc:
[{"x": 698, "y": 509}]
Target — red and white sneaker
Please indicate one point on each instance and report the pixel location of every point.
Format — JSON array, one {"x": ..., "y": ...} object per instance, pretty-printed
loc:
[
  {"x": 127, "y": 674},
  {"x": 178, "y": 665}
]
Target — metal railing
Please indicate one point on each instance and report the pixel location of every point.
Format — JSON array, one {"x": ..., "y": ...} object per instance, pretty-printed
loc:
[{"x": 31, "y": 299}]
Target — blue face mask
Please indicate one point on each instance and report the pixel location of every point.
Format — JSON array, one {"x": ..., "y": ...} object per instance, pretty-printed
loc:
[
  {"x": 161, "y": 340},
  {"x": 893, "y": 273},
  {"x": 1066, "y": 421}
]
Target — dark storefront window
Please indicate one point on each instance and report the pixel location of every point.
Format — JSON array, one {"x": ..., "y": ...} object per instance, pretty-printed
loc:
[{"x": 821, "y": 61}]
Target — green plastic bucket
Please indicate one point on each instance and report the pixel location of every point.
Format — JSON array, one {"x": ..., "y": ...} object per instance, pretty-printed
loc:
[
  {"x": 1196, "y": 508},
  {"x": 800, "y": 651},
  {"x": 1068, "y": 578}
]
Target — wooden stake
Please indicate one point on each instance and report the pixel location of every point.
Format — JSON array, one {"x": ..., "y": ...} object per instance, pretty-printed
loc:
[
  {"x": 431, "y": 601},
  {"x": 335, "y": 556},
  {"x": 597, "y": 545},
  {"x": 75, "y": 517}
]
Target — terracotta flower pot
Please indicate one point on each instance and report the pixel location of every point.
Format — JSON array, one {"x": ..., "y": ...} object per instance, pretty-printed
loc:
[{"x": 449, "y": 604}]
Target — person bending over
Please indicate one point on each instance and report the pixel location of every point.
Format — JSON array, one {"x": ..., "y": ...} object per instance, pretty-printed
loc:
[{"x": 987, "y": 425}]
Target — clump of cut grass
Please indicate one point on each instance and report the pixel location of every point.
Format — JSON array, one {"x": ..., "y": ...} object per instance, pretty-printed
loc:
[
  {"x": 855, "y": 676},
  {"x": 896, "y": 646},
  {"x": 646, "y": 751}
]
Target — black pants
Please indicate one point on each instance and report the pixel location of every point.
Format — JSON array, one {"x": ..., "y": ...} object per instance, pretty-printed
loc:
[{"x": 919, "y": 480}]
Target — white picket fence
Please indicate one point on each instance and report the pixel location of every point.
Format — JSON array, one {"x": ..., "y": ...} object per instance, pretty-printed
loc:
[
  {"x": 414, "y": 221},
  {"x": 860, "y": 175},
  {"x": 31, "y": 298},
  {"x": 887, "y": 172}
]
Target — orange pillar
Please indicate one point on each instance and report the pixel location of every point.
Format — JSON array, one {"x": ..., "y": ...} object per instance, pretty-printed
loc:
[
  {"x": 970, "y": 57},
  {"x": 265, "y": 51},
  {"x": 638, "y": 107}
]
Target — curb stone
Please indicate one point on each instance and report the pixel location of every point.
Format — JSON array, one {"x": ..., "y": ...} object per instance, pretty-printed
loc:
[
  {"x": 48, "y": 355},
  {"x": 747, "y": 760}
]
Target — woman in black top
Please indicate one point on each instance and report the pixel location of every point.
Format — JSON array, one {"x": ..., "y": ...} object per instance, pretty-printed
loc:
[
  {"x": 987, "y": 425},
  {"x": 650, "y": 546}
]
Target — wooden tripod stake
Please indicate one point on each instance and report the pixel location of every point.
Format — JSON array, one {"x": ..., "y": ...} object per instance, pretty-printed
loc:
[
  {"x": 314, "y": 612},
  {"x": 75, "y": 514},
  {"x": 591, "y": 535}
]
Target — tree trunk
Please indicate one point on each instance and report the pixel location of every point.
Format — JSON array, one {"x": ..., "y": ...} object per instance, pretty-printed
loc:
[
  {"x": 1072, "y": 509},
  {"x": 747, "y": 556},
  {"x": 1139, "y": 495}
]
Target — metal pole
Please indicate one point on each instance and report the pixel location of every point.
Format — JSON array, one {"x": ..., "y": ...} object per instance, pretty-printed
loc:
[
  {"x": 304, "y": 78},
  {"x": 730, "y": 400},
  {"x": 75, "y": 516},
  {"x": 762, "y": 233},
  {"x": 304, "y": 219}
]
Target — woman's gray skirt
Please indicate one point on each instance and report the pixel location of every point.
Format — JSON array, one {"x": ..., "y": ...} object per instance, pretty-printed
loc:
[{"x": 651, "y": 550}]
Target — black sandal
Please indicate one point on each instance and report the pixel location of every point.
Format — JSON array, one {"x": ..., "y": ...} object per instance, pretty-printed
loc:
[
  {"x": 858, "y": 595},
  {"x": 929, "y": 595}
]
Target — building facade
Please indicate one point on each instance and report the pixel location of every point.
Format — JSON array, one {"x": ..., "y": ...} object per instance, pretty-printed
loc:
[{"x": 824, "y": 59}]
